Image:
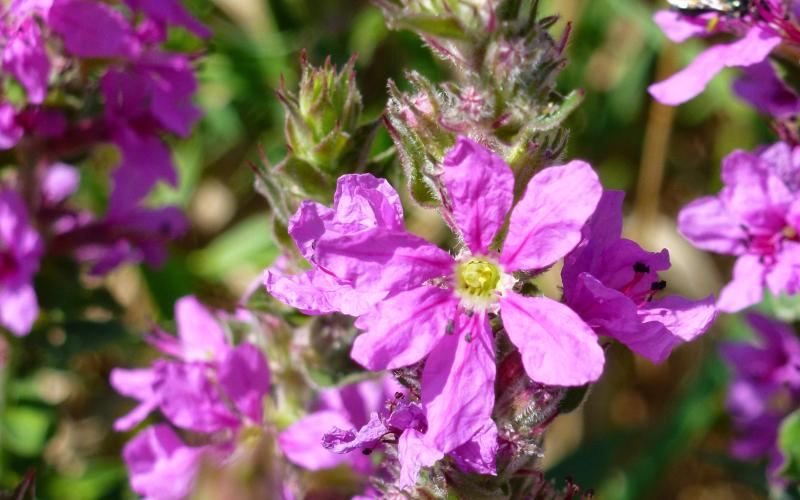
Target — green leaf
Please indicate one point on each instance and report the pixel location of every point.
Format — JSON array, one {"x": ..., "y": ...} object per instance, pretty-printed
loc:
[
  {"x": 248, "y": 243},
  {"x": 24, "y": 430},
  {"x": 789, "y": 444}
]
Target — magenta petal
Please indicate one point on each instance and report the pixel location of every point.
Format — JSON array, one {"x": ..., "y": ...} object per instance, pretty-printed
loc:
[
  {"x": 137, "y": 384},
  {"x": 25, "y": 58},
  {"x": 170, "y": 12},
  {"x": 145, "y": 161},
  {"x": 682, "y": 321},
  {"x": 160, "y": 465},
  {"x": 378, "y": 260},
  {"x": 190, "y": 399},
  {"x": 202, "y": 337},
  {"x": 244, "y": 377},
  {"x": 546, "y": 223},
  {"x": 301, "y": 442},
  {"x": 414, "y": 454},
  {"x": 363, "y": 201},
  {"x": 678, "y": 27},
  {"x": 760, "y": 86},
  {"x": 60, "y": 181},
  {"x": 18, "y": 308},
  {"x": 458, "y": 384},
  {"x": 557, "y": 347},
  {"x": 317, "y": 292},
  {"x": 402, "y": 329},
  {"x": 92, "y": 29},
  {"x": 747, "y": 286},
  {"x": 480, "y": 189},
  {"x": 753, "y": 48},
  {"x": 10, "y": 131},
  {"x": 479, "y": 455},
  {"x": 708, "y": 224}
]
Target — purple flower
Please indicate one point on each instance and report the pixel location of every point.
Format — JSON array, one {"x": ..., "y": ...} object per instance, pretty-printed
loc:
[
  {"x": 25, "y": 58},
  {"x": 756, "y": 217},
  {"x": 754, "y": 46},
  {"x": 20, "y": 252},
  {"x": 161, "y": 466},
  {"x": 10, "y": 130},
  {"x": 611, "y": 283},
  {"x": 760, "y": 86},
  {"x": 416, "y": 302},
  {"x": 169, "y": 12},
  {"x": 765, "y": 389},
  {"x": 210, "y": 387},
  {"x": 92, "y": 29},
  {"x": 345, "y": 408}
]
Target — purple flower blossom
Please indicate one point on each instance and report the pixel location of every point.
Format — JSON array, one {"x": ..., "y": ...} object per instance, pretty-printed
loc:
[
  {"x": 169, "y": 12},
  {"x": 92, "y": 29},
  {"x": 10, "y": 130},
  {"x": 756, "y": 217},
  {"x": 416, "y": 302},
  {"x": 765, "y": 389},
  {"x": 211, "y": 388},
  {"x": 760, "y": 86},
  {"x": 20, "y": 251},
  {"x": 756, "y": 43},
  {"x": 611, "y": 283},
  {"x": 25, "y": 58}
]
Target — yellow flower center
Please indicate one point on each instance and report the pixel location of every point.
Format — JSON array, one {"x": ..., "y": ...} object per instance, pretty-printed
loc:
[
  {"x": 477, "y": 278},
  {"x": 789, "y": 233}
]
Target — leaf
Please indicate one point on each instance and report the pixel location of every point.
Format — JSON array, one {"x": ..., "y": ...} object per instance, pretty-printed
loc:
[
  {"x": 25, "y": 430},
  {"x": 789, "y": 444}
]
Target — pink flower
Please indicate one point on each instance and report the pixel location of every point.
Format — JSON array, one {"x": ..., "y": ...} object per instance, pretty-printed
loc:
[
  {"x": 20, "y": 252},
  {"x": 756, "y": 43},
  {"x": 756, "y": 217},
  {"x": 25, "y": 58},
  {"x": 612, "y": 283},
  {"x": 210, "y": 387},
  {"x": 416, "y": 302}
]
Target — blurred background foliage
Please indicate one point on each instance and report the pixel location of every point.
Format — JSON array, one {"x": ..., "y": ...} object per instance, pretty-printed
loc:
[{"x": 645, "y": 431}]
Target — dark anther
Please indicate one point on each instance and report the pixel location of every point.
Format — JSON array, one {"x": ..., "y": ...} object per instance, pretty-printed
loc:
[
  {"x": 640, "y": 267},
  {"x": 366, "y": 451},
  {"x": 658, "y": 285},
  {"x": 468, "y": 337},
  {"x": 450, "y": 327},
  {"x": 398, "y": 395}
]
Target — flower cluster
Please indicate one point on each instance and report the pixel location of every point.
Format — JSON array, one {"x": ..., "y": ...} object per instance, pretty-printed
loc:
[
  {"x": 422, "y": 309},
  {"x": 208, "y": 387},
  {"x": 80, "y": 75}
]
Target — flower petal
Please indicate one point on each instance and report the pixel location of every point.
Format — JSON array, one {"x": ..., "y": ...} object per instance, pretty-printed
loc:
[
  {"x": 546, "y": 223},
  {"x": 760, "y": 87},
  {"x": 92, "y": 29},
  {"x": 458, "y": 384},
  {"x": 480, "y": 189},
  {"x": 25, "y": 58},
  {"x": 379, "y": 260},
  {"x": 753, "y": 48},
  {"x": 402, "y": 329},
  {"x": 679, "y": 27},
  {"x": 18, "y": 308},
  {"x": 479, "y": 455},
  {"x": 244, "y": 377},
  {"x": 557, "y": 347},
  {"x": 160, "y": 465},
  {"x": 202, "y": 337},
  {"x": 137, "y": 384},
  {"x": 683, "y": 319},
  {"x": 364, "y": 201},
  {"x": 414, "y": 454},
  {"x": 708, "y": 224},
  {"x": 747, "y": 286},
  {"x": 301, "y": 442}
]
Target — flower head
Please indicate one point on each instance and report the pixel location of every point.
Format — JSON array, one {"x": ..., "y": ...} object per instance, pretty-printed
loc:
[
  {"x": 20, "y": 252},
  {"x": 612, "y": 283},
  {"x": 416, "y": 302},
  {"x": 756, "y": 217}
]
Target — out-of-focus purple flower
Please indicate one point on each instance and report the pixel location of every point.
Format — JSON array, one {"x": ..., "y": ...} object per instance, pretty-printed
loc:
[
  {"x": 208, "y": 371},
  {"x": 25, "y": 58},
  {"x": 139, "y": 235},
  {"x": 756, "y": 217},
  {"x": 611, "y": 282},
  {"x": 10, "y": 131},
  {"x": 415, "y": 301},
  {"x": 59, "y": 182},
  {"x": 169, "y": 13},
  {"x": 20, "y": 252},
  {"x": 161, "y": 466},
  {"x": 756, "y": 42},
  {"x": 765, "y": 388},
  {"x": 209, "y": 387},
  {"x": 760, "y": 86},
  {"x": 345, "y": 408},
  {"x": 92, "y": 29}
]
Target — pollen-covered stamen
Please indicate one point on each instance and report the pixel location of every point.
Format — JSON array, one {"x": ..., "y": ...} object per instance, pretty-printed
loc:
[{"x": 479, "y": 283}]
